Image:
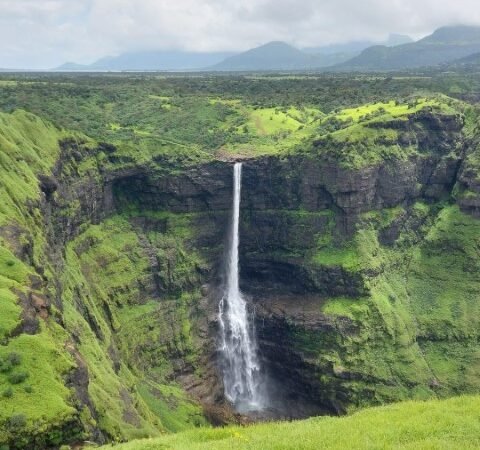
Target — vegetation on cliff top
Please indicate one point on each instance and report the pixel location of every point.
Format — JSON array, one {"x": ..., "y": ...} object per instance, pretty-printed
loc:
[
  {"x": 372, "y": 133},
  {"x": 29, "y": 147},
  {"x": 176, "y": 119}
]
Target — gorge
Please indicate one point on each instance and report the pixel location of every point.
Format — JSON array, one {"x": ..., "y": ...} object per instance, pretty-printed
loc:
[{"x": 357, "y": 249}]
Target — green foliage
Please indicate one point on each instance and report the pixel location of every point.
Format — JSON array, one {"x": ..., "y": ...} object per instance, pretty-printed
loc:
[
  {"x": 110, "y": 264},
  {"x": 180, "y": 120},
  {"x": 29, "y": 147},
  {"x": 364, "y": 136},
  {"x": 110, "y": 274},
  {"x": 422, "y": 302},
  {"x": 353, "y": 308},
  {"x": 46, "y": 364},
  {"x": 101, "y": 263},
  {"x": 14, "y": 359},
  {"x": 411, "y": 425},
  {"x": 449, "y": 255},
  {"x": 17, "y": 377},
  {"x": 10, "y": 317},
  {"x": 392, "y": 109},
  {"x": 175, "y": 409},
  {"x": 17, "y": 421},
  {"x": 8, "y": 392}
]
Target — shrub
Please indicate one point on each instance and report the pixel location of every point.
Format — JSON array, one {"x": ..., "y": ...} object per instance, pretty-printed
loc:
[
  {"x": 28, "y": 389},
  {"x": 17, "y": 377},
  {"x": 17, "y": 421},
  {"x": 392, "y": 298},
  {"x": 14, "y": 359},
  {"x": 8, "y": 393},
  {"x": 5, "y": 366}
]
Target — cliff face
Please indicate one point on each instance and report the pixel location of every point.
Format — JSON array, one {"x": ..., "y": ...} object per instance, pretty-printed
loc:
[
  {"x": 324, "y": 252},
  {"x": 315, "y": 234},
  {"x": 363, "y": 280}
]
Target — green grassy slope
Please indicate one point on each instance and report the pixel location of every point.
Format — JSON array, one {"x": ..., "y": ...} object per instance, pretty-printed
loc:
[
  {"x": 31, "y": 364},
  {"x": 126, "y": 337},
  {"x": 372, "y": 133},
  {"x": 447, "y": 424}
]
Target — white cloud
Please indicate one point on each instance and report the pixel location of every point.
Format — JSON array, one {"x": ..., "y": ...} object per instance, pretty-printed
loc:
[{"x": 44, "y": 33}]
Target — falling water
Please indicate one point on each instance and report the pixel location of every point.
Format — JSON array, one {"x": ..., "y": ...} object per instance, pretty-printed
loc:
[{"x": 241, "y": 368}]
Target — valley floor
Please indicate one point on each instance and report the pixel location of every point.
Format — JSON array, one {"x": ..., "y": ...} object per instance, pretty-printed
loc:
[{"x": 435, "y": 424}]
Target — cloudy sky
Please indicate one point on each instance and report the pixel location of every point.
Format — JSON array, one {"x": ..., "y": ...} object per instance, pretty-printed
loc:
[{"x": 46, "y": 33}]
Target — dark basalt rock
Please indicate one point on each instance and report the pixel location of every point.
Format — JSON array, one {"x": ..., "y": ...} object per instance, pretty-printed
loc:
[
  {"x": 468, "y": 183},
  {"x": 202, "y": 188},
  {"x": 261, "y": 275},
  {"x": 296, "y": 182},
  {"x": 295, "y": 374},
  {"x": 107, "y": 148},
  {"x": 48, "y": 185}
]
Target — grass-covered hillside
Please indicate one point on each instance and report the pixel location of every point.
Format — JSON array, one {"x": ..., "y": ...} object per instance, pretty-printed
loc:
[
  {"x": 447, "y": 424},
  {"x": 33, "y": 360}
]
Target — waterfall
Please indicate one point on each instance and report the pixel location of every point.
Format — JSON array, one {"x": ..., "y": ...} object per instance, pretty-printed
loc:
[{"x": 241, "y": 368}]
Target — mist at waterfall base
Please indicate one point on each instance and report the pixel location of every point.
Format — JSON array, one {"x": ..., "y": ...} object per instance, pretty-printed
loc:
[{"x": 243, "y": 377}]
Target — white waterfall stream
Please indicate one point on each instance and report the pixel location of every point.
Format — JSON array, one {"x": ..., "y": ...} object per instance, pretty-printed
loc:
[{"x": 241, "y": 367}]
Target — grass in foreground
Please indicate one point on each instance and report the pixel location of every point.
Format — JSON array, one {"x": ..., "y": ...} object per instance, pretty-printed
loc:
[{"x": 435, "y": 424}]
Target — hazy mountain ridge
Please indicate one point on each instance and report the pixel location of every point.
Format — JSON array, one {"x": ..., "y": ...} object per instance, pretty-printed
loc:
[
  {"x": 470, "y": 59},
  {"x": 152, "y": 60},
  {"x": 274, "y": 55},
  {"x": 282, "y": 56},
  {"x": 445, "y": 45},
  {"x": 356, "y": 47}
]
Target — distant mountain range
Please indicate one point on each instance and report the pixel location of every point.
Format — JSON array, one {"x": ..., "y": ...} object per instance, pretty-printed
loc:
[
  {"x": 271, "y": 56},
  {"x": 399, "y": 52},
  {"x": 470, "y": 62},
  {"x": 281, "y": 56},
  {"x": 153, "y": 60},
  {"x": 277, "y": 55},
  {"x": 356, "y": 47},
  {"x": 444, "y": 45},
  {"x": 470, "y": 59}
]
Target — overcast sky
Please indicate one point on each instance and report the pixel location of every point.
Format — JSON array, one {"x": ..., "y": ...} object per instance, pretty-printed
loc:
[{"x": 46, "y": 33}]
